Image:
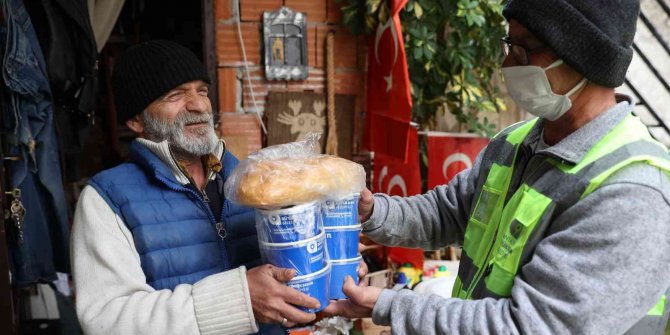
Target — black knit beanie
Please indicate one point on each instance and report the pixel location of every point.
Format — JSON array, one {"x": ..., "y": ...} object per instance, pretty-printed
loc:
[
  {"x": 148, "y": 70},
  {"x": 592, "y": 36}
]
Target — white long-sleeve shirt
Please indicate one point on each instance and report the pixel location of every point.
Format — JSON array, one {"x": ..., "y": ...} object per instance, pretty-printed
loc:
[{"x": 113, "y": 296}]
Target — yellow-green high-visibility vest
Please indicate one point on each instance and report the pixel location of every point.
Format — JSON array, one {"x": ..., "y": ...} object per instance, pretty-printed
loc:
[{"x": 506, "y": 224}]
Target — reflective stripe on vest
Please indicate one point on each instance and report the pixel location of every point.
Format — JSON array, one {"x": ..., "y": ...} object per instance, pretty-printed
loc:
[{"x": 503, "y": 228}]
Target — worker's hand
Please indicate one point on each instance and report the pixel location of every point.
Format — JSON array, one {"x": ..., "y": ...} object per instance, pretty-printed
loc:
[
  {"x": 362, "y": 271},
  {"x": 360, "y": 303},
  {"x": 365, "y": 205},
  {"x": 272, "y": 300}
]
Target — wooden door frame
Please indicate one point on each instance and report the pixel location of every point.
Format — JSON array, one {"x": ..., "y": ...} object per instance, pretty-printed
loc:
[{"x": 209, "y": 52}]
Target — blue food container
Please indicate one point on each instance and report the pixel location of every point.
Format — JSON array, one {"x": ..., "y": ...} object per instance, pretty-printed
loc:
[
  {"x": 342, "y": 268},
  {"x": 289, "y": 224},
  {"x": 342, "y": 241},
  {"x": 306, "y": 256},
  {"x": 315, "y": 285},
  {"x": 340, "y": 213}
]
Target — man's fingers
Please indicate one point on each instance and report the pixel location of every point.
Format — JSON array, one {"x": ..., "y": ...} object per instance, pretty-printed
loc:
[
  {"x": 362, "y": 269},
  {"x": 365, "y": 204},
  {"x": 298, "y": 298},
  {"x": 336, "y": 307},
  {"x": 347, "y": 309},
  {"x": 280, "y": 320},
  {"x": 366, "y": 197},
  {"x": 294, "y": 315},
  {"x": 282, "y": 274},
  {"x": 352, "y": 291}
]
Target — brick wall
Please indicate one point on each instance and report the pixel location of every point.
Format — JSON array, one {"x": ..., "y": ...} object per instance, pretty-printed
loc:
[{"x": 235, "y": 100}]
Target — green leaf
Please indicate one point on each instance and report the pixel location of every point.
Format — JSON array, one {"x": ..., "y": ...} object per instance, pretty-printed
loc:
[
  {"x": 479, "y": 20},
  {"x": 418, "y": 11},
  {"x": 428, "y": 66},
  {"x": 428, "y": 52},
  {"x": 373, "y": 5},
  {"x": 418, "y": 53},
  {"x": 488, "y": 106}
]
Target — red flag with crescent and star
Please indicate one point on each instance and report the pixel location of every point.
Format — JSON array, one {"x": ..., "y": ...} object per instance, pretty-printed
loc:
[
  {"x": 449, "y": 154},
  {"x": 395, "y": 177},
  {"x": 389, "y": 101}
]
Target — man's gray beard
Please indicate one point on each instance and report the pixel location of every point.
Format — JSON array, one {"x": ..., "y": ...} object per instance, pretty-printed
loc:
[{"x": 198, "y": 142}]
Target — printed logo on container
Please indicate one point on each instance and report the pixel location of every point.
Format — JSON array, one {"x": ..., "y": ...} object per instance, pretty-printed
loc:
[
  {"x": 275, "y": 220},
  {"x": 302, "y": 287},
  {"x": 341, "y": 205},
  {"x": 312, "y": 247}
]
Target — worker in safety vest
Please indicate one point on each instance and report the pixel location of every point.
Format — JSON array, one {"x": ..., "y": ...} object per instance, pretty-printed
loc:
[{"x": 564, "y": 220}]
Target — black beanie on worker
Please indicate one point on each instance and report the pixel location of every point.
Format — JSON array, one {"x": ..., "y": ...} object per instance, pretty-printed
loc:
[
  {"x": 592, "y": 36},
  {"x": 148, "y": 70}
]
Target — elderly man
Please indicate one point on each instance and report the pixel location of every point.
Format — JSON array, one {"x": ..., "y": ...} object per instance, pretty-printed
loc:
[
  {"x": 156, "y": 248},
  {"x": 564, "y": 219}
]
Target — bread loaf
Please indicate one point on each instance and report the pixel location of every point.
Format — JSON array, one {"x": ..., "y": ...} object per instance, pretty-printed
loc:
[{"x": 285, "y": 182}]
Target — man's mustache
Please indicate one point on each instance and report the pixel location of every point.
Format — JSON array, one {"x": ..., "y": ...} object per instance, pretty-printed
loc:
[{"x": 186, "y": 118}]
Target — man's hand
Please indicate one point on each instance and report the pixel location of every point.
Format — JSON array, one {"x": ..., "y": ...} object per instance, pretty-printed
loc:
[
  {"x": 272, "y": 300},
  {"x": 360, "y": 303},
  {"x": 365, "y": 205}
]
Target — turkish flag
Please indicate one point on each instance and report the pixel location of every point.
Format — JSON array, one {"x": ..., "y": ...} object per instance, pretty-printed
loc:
[
  {"x": 389, "y": 101},
  {"x": 395, "y": 177},
  {"x": 449, "y": 154}
]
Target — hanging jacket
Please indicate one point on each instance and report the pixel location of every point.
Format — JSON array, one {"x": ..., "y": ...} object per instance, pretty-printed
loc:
[
  {"x": 65, "y": 35},
  {"x": 29, "y": 130}
]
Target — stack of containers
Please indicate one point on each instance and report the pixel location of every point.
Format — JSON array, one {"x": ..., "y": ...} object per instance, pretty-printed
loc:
[
  {"x": 294, "y": 238},
  {"x": 340, "y": 220}
]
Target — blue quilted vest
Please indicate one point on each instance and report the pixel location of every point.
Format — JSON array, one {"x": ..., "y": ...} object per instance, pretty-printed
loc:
[{"x": 173, "y": 228}]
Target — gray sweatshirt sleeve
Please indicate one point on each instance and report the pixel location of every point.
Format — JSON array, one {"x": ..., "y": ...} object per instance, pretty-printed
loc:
[
  {"x": 429, "y": 221},
  {"x": 602, "y": 267}
]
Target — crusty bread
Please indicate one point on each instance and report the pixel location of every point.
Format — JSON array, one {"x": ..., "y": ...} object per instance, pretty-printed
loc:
[{"x": 285, "y": 182}]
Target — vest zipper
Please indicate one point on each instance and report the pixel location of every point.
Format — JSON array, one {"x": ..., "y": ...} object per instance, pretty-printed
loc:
[
  {"x": 484, "y": 270},
  {"x": 222, "y": 224},
  {"x": 220, "y": 227},
  {"x": 209, "y": 213}
]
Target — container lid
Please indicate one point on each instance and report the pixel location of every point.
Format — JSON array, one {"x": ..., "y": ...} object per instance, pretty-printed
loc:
[
  {"x": 306, "y": 241},
  {"x": 348, "y": 260},
  {"x": 325, "y": 269},
  {"x": 352, "y": 227},
  {"x": 347, "y": 197},
  {"x": 288, "y": 210}
]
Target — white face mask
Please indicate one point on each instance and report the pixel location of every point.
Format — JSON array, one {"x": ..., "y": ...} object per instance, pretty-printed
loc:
[{"x": 529, "y": 87}]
